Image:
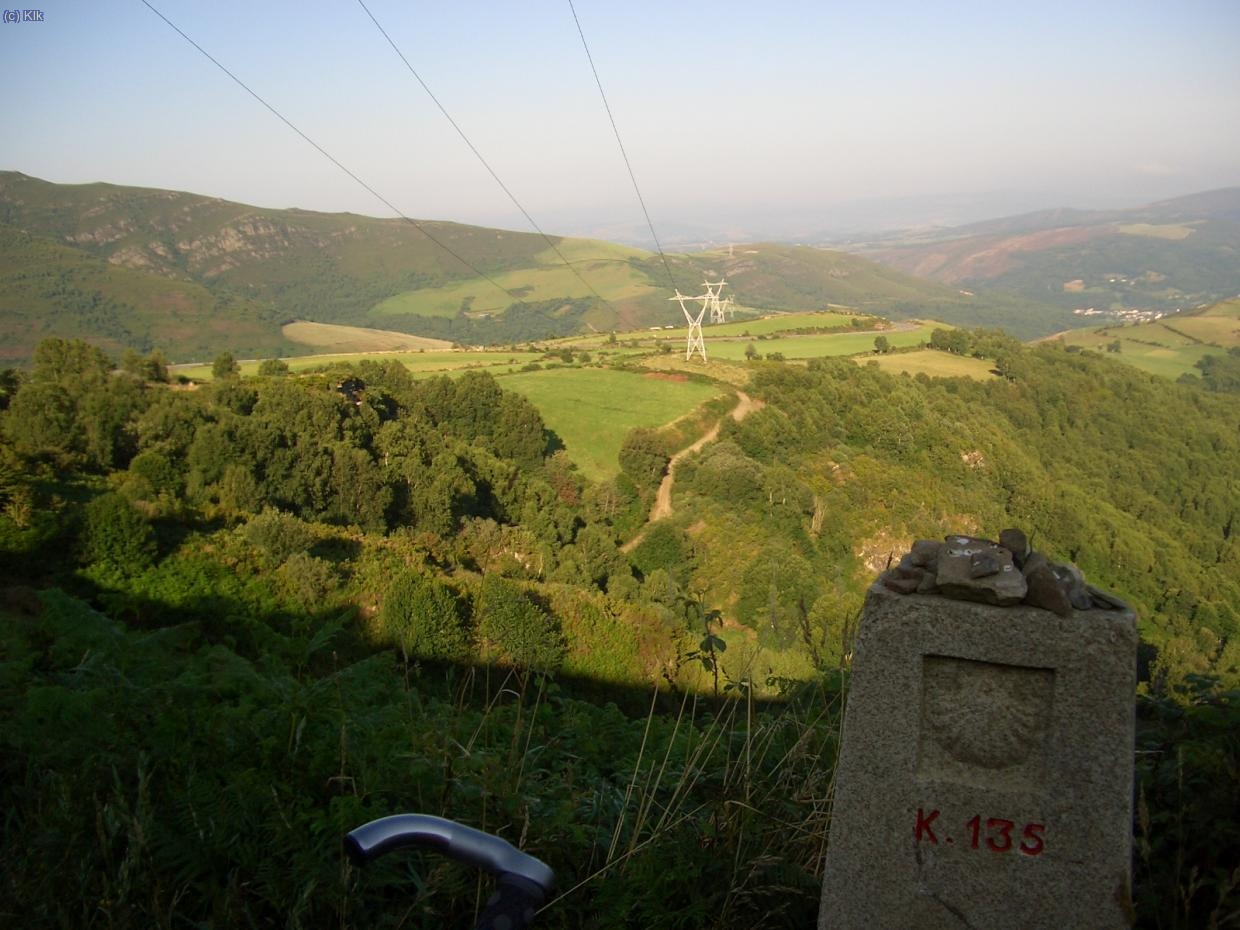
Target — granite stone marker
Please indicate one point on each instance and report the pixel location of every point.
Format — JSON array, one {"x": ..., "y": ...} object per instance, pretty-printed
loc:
[{"x": 985, "y": 778}]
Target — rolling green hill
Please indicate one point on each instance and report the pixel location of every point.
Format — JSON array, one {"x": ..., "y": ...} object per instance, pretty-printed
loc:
[
  {"x": 1174, "y": 254},
  {"x": 251, "y": 269},
  {"x": 1171, "y": 346},
  {"x": 793, "y": 277}
]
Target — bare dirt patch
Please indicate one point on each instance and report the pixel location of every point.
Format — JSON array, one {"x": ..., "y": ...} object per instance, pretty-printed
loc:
[
  {"x": 1003, "y": 255},
  {"x": 982, "y": 257}
]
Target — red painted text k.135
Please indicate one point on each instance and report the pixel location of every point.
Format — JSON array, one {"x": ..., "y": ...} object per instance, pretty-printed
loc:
[{"x": 996, "y": 834}]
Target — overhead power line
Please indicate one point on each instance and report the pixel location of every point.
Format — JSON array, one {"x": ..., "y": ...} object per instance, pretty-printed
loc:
[
  {"x": 491, "y": 171},
  {"x": 322, "y": 151},
  {"x": 623, "y": 153}
]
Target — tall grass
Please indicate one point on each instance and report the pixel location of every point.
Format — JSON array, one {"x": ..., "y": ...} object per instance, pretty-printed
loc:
[{"x": 153, "y": 778}]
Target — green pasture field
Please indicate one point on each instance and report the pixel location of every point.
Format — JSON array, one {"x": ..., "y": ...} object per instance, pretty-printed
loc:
[
  {"x": 819, "y": 346},
  {"x": 605, "y": 267},
  {"x": 579, "y": 250},
  {"x": 1166, "y": 347},
  {"x": 1167, "y": 363},
  {"x": 593, "y": 409},
  {"x": 334, "y": 336},
  {"x": 417, "y": 362},
  {"x": 932, "y": 362},
  {"x": 1223, "y": 331},
  {"x": 782, "y": 322},
  {"x": 768, "y": 324},
  {"x": 716, "y": 369}
]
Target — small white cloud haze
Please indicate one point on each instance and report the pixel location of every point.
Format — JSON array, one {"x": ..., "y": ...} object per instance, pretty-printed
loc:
[{"x": 740, "y": 119}]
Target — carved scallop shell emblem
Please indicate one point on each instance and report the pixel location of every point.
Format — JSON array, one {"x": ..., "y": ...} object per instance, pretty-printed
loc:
[{"x": 988, "y": 715}]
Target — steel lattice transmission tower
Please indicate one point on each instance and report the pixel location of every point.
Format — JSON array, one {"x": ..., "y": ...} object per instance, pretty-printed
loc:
[
  {"x": 696, "y": 342},
  {"x": 712, "y": 299}
]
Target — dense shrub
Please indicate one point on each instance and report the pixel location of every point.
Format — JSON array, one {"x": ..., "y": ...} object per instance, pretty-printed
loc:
[
  {"x": 663, "y": 547},
  {"x": 511, "y": 626},
  {"x": 114, "y": 534},
  {"x": 644, "y": 457},
  {"x": 420, "y": 615},
  {"x": 308, "y": 581},
  {"x": 278, "y": 535}
]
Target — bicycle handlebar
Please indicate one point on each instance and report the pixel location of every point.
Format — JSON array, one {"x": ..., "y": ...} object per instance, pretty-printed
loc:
[{"x": 524, "y": 882}]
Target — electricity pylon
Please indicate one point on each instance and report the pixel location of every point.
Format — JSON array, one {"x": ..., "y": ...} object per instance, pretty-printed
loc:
[
  {"x": 696, "y": 342},
  {"x": 712, "y": 299}
]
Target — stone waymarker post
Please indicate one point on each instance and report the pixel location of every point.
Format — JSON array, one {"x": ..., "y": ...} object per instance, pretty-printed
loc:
[{"x": 985, "y": 778}]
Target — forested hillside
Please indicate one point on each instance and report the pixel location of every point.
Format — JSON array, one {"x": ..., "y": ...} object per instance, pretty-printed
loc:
[
  {"x": 52, "y": 290},
  {"x": 1107, "y": 467},
  {"x": 240, "y": 619},
  {"x": 139, "y": 268},
  {"x": 1170, "y": 255}
]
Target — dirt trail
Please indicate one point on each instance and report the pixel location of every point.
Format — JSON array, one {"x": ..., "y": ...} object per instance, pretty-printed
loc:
[{"x": 662, "y": 508}]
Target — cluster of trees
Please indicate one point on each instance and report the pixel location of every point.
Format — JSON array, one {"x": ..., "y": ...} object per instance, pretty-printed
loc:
[
  {"x": 425, "y": 618},
  {"x": 93, "y": 310},
  {"x": 459, "y": 467},
  {"x": 72, "y": 410},
  {"x": 416, "y": 455},
  {"x": 979, "y": 343},
  {"x": 1219, "y": 372}
]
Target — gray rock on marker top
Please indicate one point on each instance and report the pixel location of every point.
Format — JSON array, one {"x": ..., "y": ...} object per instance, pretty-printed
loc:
[
  {"x": 1005, "y": 574},
  {"x": 1017, "y": 543},
  {"x": 978, "y": 570}
]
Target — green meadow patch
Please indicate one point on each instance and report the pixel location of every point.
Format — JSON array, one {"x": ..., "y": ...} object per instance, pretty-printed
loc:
[
  {"x": 333, "y": 336},
  {"x": 932, "y": 362},
  {"x": 1166, "y": 363},
  {"x": 821, "y": 345},
  {"x": 782, "y": 322},
  {"x": 417, "y": 362},
  {"x": 593, "y": 409},
  {"x": 771, "y": 323},
  {"x": 1168, "y": 347},
  {"x": 605, "y": 267}
]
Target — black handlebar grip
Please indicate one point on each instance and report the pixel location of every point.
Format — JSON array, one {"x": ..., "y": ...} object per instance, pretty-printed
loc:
[
  {"x": 460, "y": 842},
  {"x": 512, "y": 906},
  {"x": 523, "y": 881}
]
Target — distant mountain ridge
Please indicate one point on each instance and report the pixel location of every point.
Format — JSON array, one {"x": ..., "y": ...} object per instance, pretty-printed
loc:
[
  {"x": 195, "y": 275},
  {"x": 1176, "y": 253}
]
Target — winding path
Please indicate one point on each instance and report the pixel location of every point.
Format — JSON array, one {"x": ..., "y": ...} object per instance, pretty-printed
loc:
[{"x": 662, "y": 508}]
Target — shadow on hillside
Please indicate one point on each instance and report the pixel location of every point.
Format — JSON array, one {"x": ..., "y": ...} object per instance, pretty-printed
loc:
[
  {"x": 254, "y": 633},
  {"x": 539, "y": 741}
]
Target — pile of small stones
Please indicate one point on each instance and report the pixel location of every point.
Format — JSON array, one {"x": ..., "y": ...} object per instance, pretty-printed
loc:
[{"x": 1005, "y": 573}]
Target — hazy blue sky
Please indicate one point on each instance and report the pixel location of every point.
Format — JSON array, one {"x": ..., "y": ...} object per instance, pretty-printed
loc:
[{"x": 728, "y": 110}]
